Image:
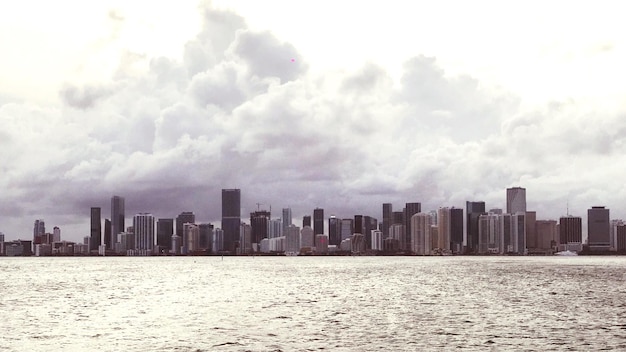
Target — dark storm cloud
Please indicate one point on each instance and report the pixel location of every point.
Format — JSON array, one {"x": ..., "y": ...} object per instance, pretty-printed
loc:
[{"x": 236, "y": 112}]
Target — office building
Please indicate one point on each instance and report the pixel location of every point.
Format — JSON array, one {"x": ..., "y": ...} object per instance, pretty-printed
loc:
[
  {"x": 531, "y": 232},
  {"x": 334, "y": 230},
  {"x": 231, "y": 218},
  {"x": 96, "y": 229},
  {"x": 165, "y": 230},
  {"x": 245, "y": 239},
  {"x": 397, "y": 234},
  {"x": 286, "y": 219},
  {"x": 191, "y": 238},
  {"x": 186, "y": 217},
  {"x": 307, "y": 238},
  {"x": 117, "y": 218},
  {"x": 259, "y": 222},
  {"x": 490, "y": 234},
  {"x": 377, "y": 240},
  {"x": 547, "y": 236},
  {"x": 444, "y": 231},
  {"x": 347, "y": 228},
  {"x": 292, "y": 240},
  {"x": 473, "y": 210},
  {"x": 515, "y": 200},
  {"x": 456, "y": 230},
  {"x": 218, "y": 241},
  {"x": 421, "y": 240},
  {"x": 143, "y": 229},
  {"x": 106, "y": 236},
  {"x": 206, "y": 237},
  {"x": 387, "y": 219},
  {"x": 56, "y": 234},
  {"x": 321, "y": 244},
  {"x": 306, "y": 220},
  {"x": 598, "y": 229},
  {"x": 410, "y": 209},
  {"x": 570, "y": 232},
  {"x": 275, "y": 228},
  {"x": 39, "y": 230}
]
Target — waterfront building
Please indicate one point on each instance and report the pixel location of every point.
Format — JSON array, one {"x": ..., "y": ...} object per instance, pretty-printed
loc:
[
  {"x": 307, "y": 238},
  {"x": 490, "y": 234},
  {"x": 231, "y": 218},
  {"x": 275, "y": 228},
  {"x": 515, "y": 200},
  {"x": 259, "y": 222},
  {"x": 377, "y": 240},
  {"x": 39, "y": 229},
  {"x": 547, "y": 235},
  {"x": 292, "y": 240},
  {"x": 444, "y": 229},
  {"x": 206, "y": 237},
  {"x": 570, "y": 233},
  {"x": 186, "y": 217},
  {"x": 143, "y": 228},
  {"x": 620, "y": 238},
  {"x": 387, "y": 219},
  {"x": 396, "y": 233},
  {"x": 218, "y": 241},
  {"x": 347, "y": 228},
  {"x": 598, "y": 229},
  {"x": 318, "y": 221},
  {"x": 96, "y": 229},
  {"x": 357, "y": 243},
  {"x": 613, "y": 234},
  {"x": 286, "y": 219},
  {"x": 456, "y": 230},
  {"x": 117, "y": 218},
  {"x": 421, "y": 240},
  {"x": 321, "y": 244},
  {"x": 334, "y": 230},
  {"x": 245, "y": 239},
  {"x": 106, "y": 236},
  {"x": 531, "y": 232},
  {"x": 474, "y": 210},
  {"x": 165, "y": 230},
  {"x": 410, "y": 209},
  {"x": 191, "y": 238},
  {"x": 518, "y": 233},
  {"x": 306, "y": 220},
  {"x": 56, "y": 234}
]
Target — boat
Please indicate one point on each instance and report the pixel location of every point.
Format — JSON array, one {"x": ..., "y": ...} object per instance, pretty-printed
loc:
[{"x": 566, "y": 253}]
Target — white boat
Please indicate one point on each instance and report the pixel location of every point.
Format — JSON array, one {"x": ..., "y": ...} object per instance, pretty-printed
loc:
[{"x": 566, "y": 253}]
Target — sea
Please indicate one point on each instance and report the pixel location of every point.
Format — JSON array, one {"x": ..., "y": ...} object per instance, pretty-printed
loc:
[{"x": 453, "y": 303}]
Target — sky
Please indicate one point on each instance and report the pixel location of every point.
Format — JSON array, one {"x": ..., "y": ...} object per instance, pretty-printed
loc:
[{"x": 339, "y": 105}]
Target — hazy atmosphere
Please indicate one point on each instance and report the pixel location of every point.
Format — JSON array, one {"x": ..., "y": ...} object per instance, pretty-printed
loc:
[{"x": 307, "y": 104}]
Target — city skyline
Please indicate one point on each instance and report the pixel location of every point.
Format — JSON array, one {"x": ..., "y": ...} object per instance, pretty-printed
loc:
[{"x": 439, "y": 103}]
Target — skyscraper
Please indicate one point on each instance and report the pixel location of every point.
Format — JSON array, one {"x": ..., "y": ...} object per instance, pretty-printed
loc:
[
  {"x": 474, "y": 211},
  {"x": 598, "y": 228},
  {"x": 39, "y": 230},
  {"x": 570, "y": 230},
  {"x": 107, "y": 234},
  {"x": 165, "y": 230},
  {"x": 143, "y": 227},
  {"x": 259, "y": 221},
  {"x": 206, "y": 237},
  {"x": 421, "y": 243},
  {"x": 387, "y": 219},
  {"x": 456, "y": 229},
  {"x": 444, "y": 229},
  {"x": 318, "y": 221},
  {"x": 117, "y": 219},
  {"x": 306, "y": 220},
  {"x": 334, "y": 230},
  {"x": 286, "y": 219},
  {"x": 231, "y": 218},
  {"x": 56, "y": 234},
  {"x": 182, "y": 219},
  {"x": 410, "y": 209},
  {"x": 515, "y": 200},
  {"x": 95, "y": 234}
]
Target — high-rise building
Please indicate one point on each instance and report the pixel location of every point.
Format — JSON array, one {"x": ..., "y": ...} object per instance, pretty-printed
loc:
[
  {"x": 117, "y": 218},
  {"x": 531, "y": 231},
  {"x": 613, "y": 236},
  {"x": 56, "y": 234},
  {"x": 387, "y": 219},
  {"x": 515, "y": 200},
  {"x": 39, "y": 230},
  {"x": 456, "y": 230},
  {"x": 334, "y": 230},
  {"x": 410, "y": 209},
  {"x": 206, "y": 236},
  {"x": 490, "y": 236},
  {"x": 292, "y": 240},
  {"x": 191, "y": 238},
  {"x": 347, "y": 228},
  {"x": 165, "y": 230},
  {"x": 547, "y": 237},
  {"x": 218, "y": 241},
  {"x": 306, "y": 220},
  {"x": 474, "y": 210},
  {"x": 421, "y": 243},
  {"x": 107, "y": 234},
  {"x": 518, "y": 232},
  {"x": 96, "y": 229},
  {"x": 620, "y": 238},
  {"x": 444, "y": 229},
  {"x": 307, "y": 237},
  {"x": 377, "y": 240},
  {"x": 570, "y": 230},
  {"x": 397, "y": 234},
  {"x": 275, "y": 228},
  {"x": 259, "y": 221},
  {"x": 598, "y": 229},
  {"x": 231, "y": 218},
  {"x": 286, "y": 219},
  {"x": 143, "y": 228},
  {"x": 182, "y": 219},
  {"x": 318, "y": 221}
]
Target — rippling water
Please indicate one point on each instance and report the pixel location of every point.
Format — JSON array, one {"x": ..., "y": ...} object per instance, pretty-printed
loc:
[{"x": 312, "y": 303}]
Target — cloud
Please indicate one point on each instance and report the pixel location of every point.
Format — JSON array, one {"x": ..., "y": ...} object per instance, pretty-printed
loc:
[{"x": 236, "y": 111}]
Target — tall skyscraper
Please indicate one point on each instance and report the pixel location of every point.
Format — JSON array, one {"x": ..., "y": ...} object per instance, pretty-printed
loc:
[
  {"x": 191, "y": 238},
  {"x": 334, "y": 230},
  {"x": 598, "y": 228},
  {"x": 206, "y": 236},
  {"x": 306, "y": 220},
  {"x": 456, "y": 230},
  {"x": 259, "y": 221},
  {"x": 347, "y": 228},
  {"x": 96, "y": 229},
  {"x": 474, "y": 210},
  {"x": 107, "y": 234},
  {"x": 387, "y": 219},
  {"x": 117, "y": 219},
  {"x": 56, "y": 234},
  {"x": 515, "y": 200},
  {"x": 421, "y": 243},
  {"x": 547, "y": 237},
  {"x": 165, "y": 230},
  {"x": 318, "y": 221},
  {"x": 182, "y": 219},
  {"x": 570, "y": 231},
  {"x": 531, "y": 231},
  {"x": 231, "y": 218},
  {"x": 444, "y": 228},
  {"x": 410, "y": 209},
  {"x": 143, "y": 227},
  {"x": 39, "y": 230},
  {"x": 286, "y": 219}
]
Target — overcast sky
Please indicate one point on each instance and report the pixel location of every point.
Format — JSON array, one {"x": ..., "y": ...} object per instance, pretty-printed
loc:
[{"x": 342, "y": 105}]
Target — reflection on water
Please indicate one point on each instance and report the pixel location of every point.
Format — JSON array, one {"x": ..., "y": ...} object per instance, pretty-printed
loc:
[{"x": 312, "y": 303}]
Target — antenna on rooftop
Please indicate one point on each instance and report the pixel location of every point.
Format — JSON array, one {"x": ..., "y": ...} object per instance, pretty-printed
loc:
[{"x": 258, "y": 206}]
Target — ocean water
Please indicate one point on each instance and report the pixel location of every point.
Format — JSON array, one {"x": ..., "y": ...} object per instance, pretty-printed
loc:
[{"x": 313, "y": 304}]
